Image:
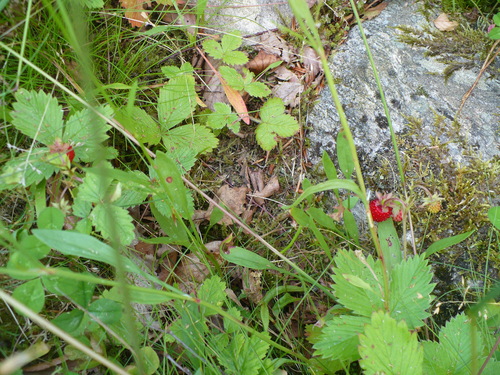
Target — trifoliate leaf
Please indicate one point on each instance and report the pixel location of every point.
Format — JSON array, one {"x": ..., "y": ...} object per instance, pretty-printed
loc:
[
  {"x": 177, "y": 101},
  {"x": 225, "y": 50},
  {"x": 410, "y": 285},
  {"x": 138, "y": 122},
  {"x": 196, "y": 137},
  {"x": 242, "y": 354},
  {"x": 339, "y": 339},
  {"x": 275, "y": 123},
  {"x": 38, "y": 115},
  {"x": 173, "y": 71},
  {"x": 388, "y": 347},
  {"x": 113, "y": 222},
  {"x": 223, "y": 116}
]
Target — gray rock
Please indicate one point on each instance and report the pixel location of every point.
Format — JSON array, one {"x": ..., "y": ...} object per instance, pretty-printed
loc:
[
  {"x": 413, "y": 86},
  {"x": 248, "y": 16}
]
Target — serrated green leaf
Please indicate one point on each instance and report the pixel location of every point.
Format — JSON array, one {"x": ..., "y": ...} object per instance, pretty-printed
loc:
[
  {"x": 225, "y": 51},
  {"x": 95, "y": 185},
  {"x": 26, "y": 170},
  {"x": 231, "y": 41},
  {"x": 454, "y": 352},
  {"x": 275, "y": 123},
  {"x": 257, "y": 89},
  {"x": 243, "y": 355},
  {"x": 77, "y": 291},
  {"x": 213, "y": 48},
  {"x": 387, "y": 347},
  {"x": 223, "y": 116},
  {"x": 177, "y": 101},
  {"x": 389, "y": 242},
  {"x": 38, "y": 115},
  {"x": 138, "y": 122},
  {"x": 172, "y": 71},
  {"x": 410, "y": 285},
  {"x": 360, "y": 300},
  {"x": 196, "y": 137},
  {"x": 31, "y": 294},
  {"x": 82, "y": 245},
  {"x": 213, "y": 291},
  {"x": 105, "y": 310},
  {"x": 86, "y": 131},
  {"x": 339, "y": 339},
  {"x": 113, "y": 222},
  {"x": 232, "y": 77},
  {"x": 229, "y": 325}
]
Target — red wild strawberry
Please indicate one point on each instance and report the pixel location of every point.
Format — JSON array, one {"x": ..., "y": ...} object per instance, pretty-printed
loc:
[
  {"x": 379, "y": 211},
  {"x": 71, "y": 154}
]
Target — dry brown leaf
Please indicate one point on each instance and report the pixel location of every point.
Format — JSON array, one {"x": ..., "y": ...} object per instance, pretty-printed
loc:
[
  {"x": 273, "y": 44},
  {"x": 444, "y": 24},
  {"x": 272, "y": 187},
  {"x": 312, "y": 63},
  {"x": 191, "y": 272},
  {"x": 285, "y": 74},
  {"x": 252, "y": 285},
  {"x": 236, "y": 101},
  {"x": 213, "y": 92},
  {"x": 184, "y": 19},
  {"x": 260, "y": 62},
  {"x": 234, "y": 199},
  {"x": 134, "y": 11},
  {"x": 289, "y": 92},
  {"x": 375, "y": 11}
]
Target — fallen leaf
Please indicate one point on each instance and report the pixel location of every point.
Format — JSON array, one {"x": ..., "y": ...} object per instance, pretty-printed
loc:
[
  {"x": 289, "y": 92},
  {"x": 312, "y": 63},
  {"x": 260, "y": 62},
  {"x": 272, "y": 187},
  {"x": 375, "y": 11},
  {"x": 273, "y": 44},
  {"x": 213, "y": 92},
  {"x": 252, "y": 285},
  {"x": 444, "y": 24},
  {"x": 236, "y": 101},
  {"x": 234, "y": 199},
  {"x": 285, "y": 74},
  {"x": 134, "y": 11}
]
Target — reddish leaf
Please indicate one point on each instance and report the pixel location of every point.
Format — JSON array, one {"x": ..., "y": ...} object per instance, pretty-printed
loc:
[{"x": 135, "y": 11}]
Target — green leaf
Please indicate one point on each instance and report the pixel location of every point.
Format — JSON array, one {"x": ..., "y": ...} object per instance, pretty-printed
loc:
[
  {"x": 330, "y": 170},
  {"x": 339, "y": 339},
  {"x": 31, "y": 294},
  {"x": 142, "y": 296},
  {"x": 213, "y": 291},
  {"x": 86, "y": 131},
  {"x": 138, "y": 122},
  {"x": 196, "y": 137},
  {"x": 23, "y": 261},
  {"x": 82, "y": 245},
  {"x": 113, "y": 222},
  {"x": 496, "y": 19},
  {"x": 361, "y": 300},
  {"x": 387, "y": 347},
  {"x": 166, "y": 170},
  {"x": 446, "y": 242},
  {"x": 151, "y": 360},
  {"x": 328, "y": 185},
  {"x": 38, "y": 115},
  {"x": 223, "y": 116},
  {"x": 344, "y": 156},
  {"x": 33, "y": 246},
  {"x": 246, "y": 258},
  {"x": 105, "y": 310},
  {"x": 410, "y": 286},
  {"x": 50, "y": 218},
  {"x": 243, "y": 355},
  {"x": 275, "y": 123},
  {"x": 389, "y": 242},
  {"x": 351, "y": 226},
  {"x": 26, "y": 170},
  {"x": 453, "y": 354},
  {"x": 257, "y": 89},
  {"x": 225, "y": 51},
  {"x": 77, "y": 291},
  {"x": 95, "y": 184},
  {"x": 177, "y": 100},
  {"x": 232, "y": 77},
  {"x": 73, "y": 322},
  {"x": 494, "y": 33},
  {"x": 494, "y": 216}
]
